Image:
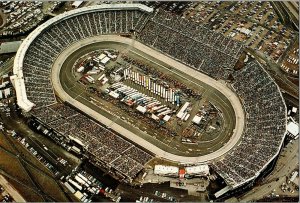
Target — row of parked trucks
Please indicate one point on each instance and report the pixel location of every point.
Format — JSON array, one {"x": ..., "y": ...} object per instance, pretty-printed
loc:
[
  {"x": 147, "y": 82},
  {"x": 82, "y": 187},
  {"x": 144, "y": 103}
]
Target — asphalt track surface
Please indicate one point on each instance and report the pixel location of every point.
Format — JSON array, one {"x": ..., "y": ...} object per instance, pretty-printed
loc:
[
  {"x": 223, "y": 96},
  {"x": 165, "y": 143}
]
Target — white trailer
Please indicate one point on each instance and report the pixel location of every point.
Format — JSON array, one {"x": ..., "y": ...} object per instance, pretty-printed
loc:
[
  {"x": 101, "y": 67},
  {"x": 75, "y": 184},
  {"x": 131, "y": 93},
  {"x": 82, "y": 182},
  {"x": 148, "y": 100},
  {"x": 171, "y": 95},
  {"x": 162, "y": 91},
  {"x": 134, "y": 95},
  {"x": 144, "y": 81},
  {"x": 149, "y": 84},
  {"x": 72, "y": 190},
  {"x": 183, "y": 115},
  {"x": 80, "y": 69},
  {"x": 153, "y": 103},
  {"x": 90, "y": 79},
  {"x": 158, "y": 107},
  {"x": 167, "y": 95},
  {"x": 187, "y": 117},
  {"x": 84, "y": 178},
  {"x": 135, "y": 77},
  {"x": 126, "y": 92},
  {"x": 163, "y": 113},
  {"x": 162, "y": 109},
  {"x": 101, "y": 77},
  {"x": 93, "y": 72}
]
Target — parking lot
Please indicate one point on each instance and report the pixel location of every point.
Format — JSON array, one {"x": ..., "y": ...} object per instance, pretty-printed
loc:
[{"x": 253, "y": 23}]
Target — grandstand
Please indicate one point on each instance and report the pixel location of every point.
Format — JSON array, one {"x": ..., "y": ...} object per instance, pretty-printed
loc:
[{"x": 196, "y": 46}]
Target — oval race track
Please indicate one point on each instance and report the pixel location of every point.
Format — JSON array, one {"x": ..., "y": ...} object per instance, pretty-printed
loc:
[
  {"x": 42, "y": 54},
  {"x": 234, "y": 100}
]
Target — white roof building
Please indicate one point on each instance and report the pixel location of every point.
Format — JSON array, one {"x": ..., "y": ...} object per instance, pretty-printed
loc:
[
  {"x": 105, "y": 60},
  {"x": 182, "y": 110},
  {"x": 78, "y": 195},
  {"x": 166, "y": 118},
  {"x": 154, "y": 117},
  {"x": 293, "y": 128},
  {"x": 141, "y": 109},
  {"x": 7, "y": 92},
  {"x": 114, "y": 94},
  {"x": 197, "y": 170},
  {"x": 166, "y": 170},
  {"x": 244, "y": 30},
  {"x": 101, "y": 56},
  {"x": 197, "y": 119},
  {"x": 76, "y": 4}
]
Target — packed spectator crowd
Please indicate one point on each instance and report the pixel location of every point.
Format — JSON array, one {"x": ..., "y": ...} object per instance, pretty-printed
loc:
[
  {"x": 44, "y": 50},
  {"x": 194, "y": 45},
  {"x": 216, "y": 55},
  {"x": 265, "y": 126},
  {"x": 102, "y": 144}
]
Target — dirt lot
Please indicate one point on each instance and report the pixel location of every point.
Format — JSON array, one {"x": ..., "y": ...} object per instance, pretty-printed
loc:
[
  {"x": 46, "y": 183},
  {"x": 12, "y": 166},
  {"x": 29, "y": 194},
  {"x": 26, "y": 154},
  {"x": 4, "y": 143},
  {"x": 42, "y": 187},
  {"x": 1, "y": 20}
]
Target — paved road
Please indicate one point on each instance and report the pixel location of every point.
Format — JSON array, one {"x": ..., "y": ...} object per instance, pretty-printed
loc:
[
  {"x": 278, "y": 72},
  {"x": 286, "y": 163},
  {"x": 234, "y": 100},
  {"x": 11, "y": 190}
]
